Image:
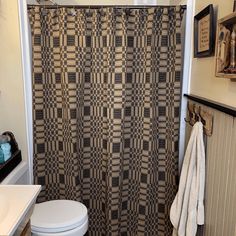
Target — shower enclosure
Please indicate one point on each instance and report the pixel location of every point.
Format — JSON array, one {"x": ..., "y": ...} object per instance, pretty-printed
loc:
[{"x": 119, "y": 163}]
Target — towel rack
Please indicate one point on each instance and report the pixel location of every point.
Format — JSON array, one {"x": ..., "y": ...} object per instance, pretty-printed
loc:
[{"x": 196, "y": 113}]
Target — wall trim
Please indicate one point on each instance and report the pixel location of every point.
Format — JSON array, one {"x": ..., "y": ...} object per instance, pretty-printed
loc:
[
  {"x": 215, "y": 105},
  {"x": 26, "y": 70}
]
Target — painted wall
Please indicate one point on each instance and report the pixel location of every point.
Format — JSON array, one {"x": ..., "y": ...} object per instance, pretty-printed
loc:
[
  {"x": 12, "y": 110},
  {"x": 203, "y": 80}
]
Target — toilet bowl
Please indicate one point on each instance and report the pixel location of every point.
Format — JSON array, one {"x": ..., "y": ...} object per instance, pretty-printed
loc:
[{"x": 59, "y": 218}]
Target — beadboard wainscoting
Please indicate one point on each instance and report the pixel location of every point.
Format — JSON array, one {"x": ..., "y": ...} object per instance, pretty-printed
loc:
[{"x": 220, "y": 194}]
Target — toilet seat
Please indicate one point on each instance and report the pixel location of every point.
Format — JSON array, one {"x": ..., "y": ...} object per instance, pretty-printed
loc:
[{"x": 58, "y": 216}]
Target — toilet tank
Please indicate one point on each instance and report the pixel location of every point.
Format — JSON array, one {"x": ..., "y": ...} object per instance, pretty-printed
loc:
[{"x": 19, "y": 175}]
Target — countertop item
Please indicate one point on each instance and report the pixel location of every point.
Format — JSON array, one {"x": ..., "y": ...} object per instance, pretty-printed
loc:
[
  {"x": 4, "y": 139},
  {"x": 11, "y": 158},
  {"x": 15, "y": 203}
]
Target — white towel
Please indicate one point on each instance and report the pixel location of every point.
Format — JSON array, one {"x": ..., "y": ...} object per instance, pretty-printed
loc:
[{"x": 187, "y": 210}]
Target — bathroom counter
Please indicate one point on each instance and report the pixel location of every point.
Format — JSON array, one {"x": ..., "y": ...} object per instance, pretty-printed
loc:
[{"x": 16, "y": 206}]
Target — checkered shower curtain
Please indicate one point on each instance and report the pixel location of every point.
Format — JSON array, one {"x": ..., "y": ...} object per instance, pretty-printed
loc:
[{"x": 106, "y": 98}]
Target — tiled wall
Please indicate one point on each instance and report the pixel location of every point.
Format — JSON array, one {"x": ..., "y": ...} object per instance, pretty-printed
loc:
[{"x": 220, "y": 194}]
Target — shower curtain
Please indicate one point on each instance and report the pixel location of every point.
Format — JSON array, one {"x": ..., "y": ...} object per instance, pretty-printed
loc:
[{"x": 106, "y": 99}]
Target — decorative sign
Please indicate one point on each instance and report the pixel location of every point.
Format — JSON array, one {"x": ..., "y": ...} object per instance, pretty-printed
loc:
[{"x": 204, "y": 32}]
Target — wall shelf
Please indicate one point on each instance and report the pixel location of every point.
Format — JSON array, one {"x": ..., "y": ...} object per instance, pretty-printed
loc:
[{"x": 223, "y": 40}]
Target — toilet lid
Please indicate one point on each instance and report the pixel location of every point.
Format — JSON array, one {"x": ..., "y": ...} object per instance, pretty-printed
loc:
[{"x": 58, "y": 216}]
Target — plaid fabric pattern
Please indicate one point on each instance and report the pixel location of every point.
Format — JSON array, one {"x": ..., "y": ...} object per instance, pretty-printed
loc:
[{"x": 106, "y": 98}]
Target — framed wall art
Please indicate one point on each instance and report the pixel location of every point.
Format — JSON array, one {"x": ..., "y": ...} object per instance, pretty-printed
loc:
[{"x": 204, "y": 33}]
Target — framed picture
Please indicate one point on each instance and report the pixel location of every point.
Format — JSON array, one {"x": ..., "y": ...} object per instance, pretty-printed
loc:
[
  {"x": 234, "y": 5},
  {"x": 204, "y": 33}
]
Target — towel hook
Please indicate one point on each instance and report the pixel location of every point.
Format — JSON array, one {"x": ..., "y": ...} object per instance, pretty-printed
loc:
[
  {"x": 187, "y": 119},
  {"x": 197, "y": 113}
]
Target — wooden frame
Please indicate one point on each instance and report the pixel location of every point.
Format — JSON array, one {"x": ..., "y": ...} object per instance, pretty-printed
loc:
[
  {"x": 228, "y": 22},
  {"x": 204, "y": 32}
]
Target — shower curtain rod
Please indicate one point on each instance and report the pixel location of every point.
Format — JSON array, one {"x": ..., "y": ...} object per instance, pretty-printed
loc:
[{"x": 99, "y": 6}]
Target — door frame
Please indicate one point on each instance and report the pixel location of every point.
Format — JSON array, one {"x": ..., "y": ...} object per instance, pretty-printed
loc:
[{"x": 27, "y": 75}]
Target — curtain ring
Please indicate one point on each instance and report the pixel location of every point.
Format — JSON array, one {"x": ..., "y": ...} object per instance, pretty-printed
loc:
[
  {"x": 32, "y": 11},
  {"x": 103, "y": 13},
  {"x": 73, "y": 11},
  {"x": 143, "y": 14},
  {"x": 117, "y": 12},
  {"x": 44, "y": 10},
  {"x": 158, "y": 13},
  {"x": 90, "y": 14},
  {"x": 171, "y": 11},
  {"x": 127, "y": 13}
]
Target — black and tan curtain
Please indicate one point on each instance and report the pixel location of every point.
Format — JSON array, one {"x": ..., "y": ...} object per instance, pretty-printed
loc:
[{"x": 106, "y": 98}]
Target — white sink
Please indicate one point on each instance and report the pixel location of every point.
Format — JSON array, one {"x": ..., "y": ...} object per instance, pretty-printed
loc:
[
  {"x": 15, "y": 203},
  {"x": 4, "y": 207}
]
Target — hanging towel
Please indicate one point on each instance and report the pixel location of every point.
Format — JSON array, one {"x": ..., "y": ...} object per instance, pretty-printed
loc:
[{"x": 187, "y": 210}]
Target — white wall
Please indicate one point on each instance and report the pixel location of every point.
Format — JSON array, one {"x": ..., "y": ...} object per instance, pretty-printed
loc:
[
  {"x": 12, "y": 109},
  {"x": 203, "y": 80}
]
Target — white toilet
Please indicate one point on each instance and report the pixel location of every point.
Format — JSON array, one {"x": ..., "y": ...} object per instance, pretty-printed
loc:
[{"x": 59, "y": 218}]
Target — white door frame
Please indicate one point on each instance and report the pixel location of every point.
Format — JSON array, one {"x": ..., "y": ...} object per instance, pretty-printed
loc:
[
  {"x": 27, "y": 77},
  {"x": 188, "y": 56}
]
